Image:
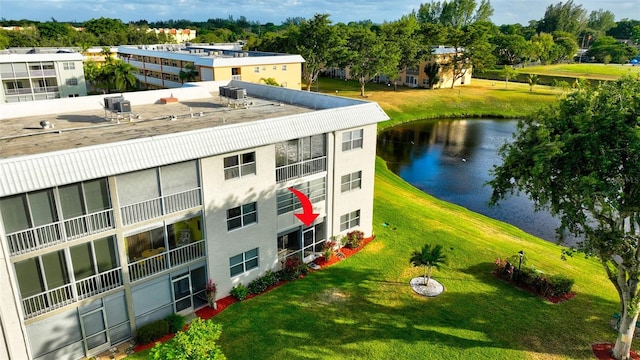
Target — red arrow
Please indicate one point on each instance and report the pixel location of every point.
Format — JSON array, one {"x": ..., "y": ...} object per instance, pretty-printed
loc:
[{"x": 307, "y": 217}]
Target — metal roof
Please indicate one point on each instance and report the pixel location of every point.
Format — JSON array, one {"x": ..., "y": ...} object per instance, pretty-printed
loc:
[{"x": 53, "y": 168}]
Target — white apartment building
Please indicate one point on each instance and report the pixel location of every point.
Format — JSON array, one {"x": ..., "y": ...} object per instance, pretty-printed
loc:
[
  {"x": 41, "y": 76},
  {"x": 159, "y": 66},
  {"x": 115, "y": 216}
]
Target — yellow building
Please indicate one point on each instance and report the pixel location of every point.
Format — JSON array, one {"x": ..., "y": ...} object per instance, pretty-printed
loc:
[
  {"x": 416, "y": 77},
  {"x": 159, "y": 66},
  {"x": 179, "y": 35}
]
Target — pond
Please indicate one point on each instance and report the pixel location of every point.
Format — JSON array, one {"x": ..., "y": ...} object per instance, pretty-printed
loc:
[{"x": 452, "y": 159}]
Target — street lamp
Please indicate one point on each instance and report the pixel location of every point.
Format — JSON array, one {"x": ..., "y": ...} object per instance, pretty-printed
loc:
[{"x": 521, "y": 253}]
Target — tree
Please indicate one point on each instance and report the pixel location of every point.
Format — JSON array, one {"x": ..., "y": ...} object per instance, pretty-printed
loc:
[
  {"x": 406, "y": 34},
  {"x": 195, "y": 343},
  {"x": 600, "y": 21},
  {"x": 623, "y": 29},
  {"x": 188, "y": 74},
  {"x": 471, "y": 48},
  {"x": 118, "y": 75},
  {"x": 566, "y": 17},
  {"x": 542, "y": 47},
  {"x": 507, "y": 73},
  {"x": 580, "y": 159},
  {"x": 619, "y": 53},
  {"x": 316, "y": 40},
  {"x": 432, "y": 70},
  {"x": 428, "y": 257},
  {"x": 565, "y": 46},
  {"x": 532, "y": 79},
  {"x": 369, "y": 54},
  {"x": 510, "y": 48},
  {"x": 91, "y": 73},
  {"x": 455, "y": 13}
]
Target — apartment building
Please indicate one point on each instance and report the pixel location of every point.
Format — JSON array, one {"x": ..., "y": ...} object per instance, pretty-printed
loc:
[
  {"x": 40, "y": 76},
  {"x": 416, "y": 77},
  {"x": 179, "y": 35},
  {"x": 159, "y": 66},
  {"x": 116, "y": 216}
]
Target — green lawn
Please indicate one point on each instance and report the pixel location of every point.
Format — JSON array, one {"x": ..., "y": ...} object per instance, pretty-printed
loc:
[
  {"x": 363, "y": 308},
  {"x": 592, "y": 71}
]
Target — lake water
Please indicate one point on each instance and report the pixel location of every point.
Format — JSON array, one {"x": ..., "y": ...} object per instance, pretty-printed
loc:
[{"x": 452, "y": 159}]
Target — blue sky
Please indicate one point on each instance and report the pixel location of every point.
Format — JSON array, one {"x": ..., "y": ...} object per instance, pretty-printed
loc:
[{"x": 506, "y": 11}]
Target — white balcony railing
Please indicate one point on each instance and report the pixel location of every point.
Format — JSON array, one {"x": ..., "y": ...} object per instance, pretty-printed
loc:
[
  {"x": 186, "y": 253},
  {"x": 169, "y": 204},
  {"x": 236, "y": 77},
  {"x": 146, "y": 267},
  {"x": 22, "y": 242},
  {"x": 303, "y": 168},
  {"x": 64, "y": 295},
  {"x": 89, "y": 224},
  {"x": 99, "y": 283}
]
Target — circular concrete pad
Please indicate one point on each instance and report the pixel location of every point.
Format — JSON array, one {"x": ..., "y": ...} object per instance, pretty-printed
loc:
[{"x": 434, "y": 288}]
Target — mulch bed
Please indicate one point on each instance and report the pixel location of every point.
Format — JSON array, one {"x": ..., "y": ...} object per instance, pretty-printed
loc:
[
  {"x": 552, "y": 299},
  {"x": 602, "y": 351},
  {"x": 206, "y": 312}
]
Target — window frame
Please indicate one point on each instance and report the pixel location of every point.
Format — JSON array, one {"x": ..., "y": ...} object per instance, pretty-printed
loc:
[
  {"x": 247, "y": 262},
  {"x": 240, "y": 165},
  {"x": 352, "y": 182},
  {"x": 354, "y": 141},
  {"x": 350, "y": 220},
  {"x": 244, "y": 215}
]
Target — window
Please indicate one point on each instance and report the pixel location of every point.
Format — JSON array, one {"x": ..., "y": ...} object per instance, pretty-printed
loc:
[
  {"x": 256, "y": 69},
  {"x": 352, "y": 139},
  {"x": 284, "y": 67},
  {"x": 351, "y": 181},
  {"x": 350, "y": 220},
  {"x": 239, "y": 165},
  {"x": 68, "y": 66},
  {"x": 288, "y": 202},
  {"x": 243, "y": 262},
  {"x": 274, "y": 67},
  {"x": 72, "y": 81},
  {"x": 242, "y": 216},
  {"x": 145, "y": 244}
]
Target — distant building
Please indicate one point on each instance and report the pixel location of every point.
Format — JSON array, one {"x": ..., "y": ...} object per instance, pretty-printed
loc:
[
  {"x": 159, "y": 66},
  {"x": 41, "y": 75},
  {"x": 416, "y": 77},
  {"x": 116, "y": 211},
  {"x": 179, "y": 35},
  {"x": 96, "y": 53}
]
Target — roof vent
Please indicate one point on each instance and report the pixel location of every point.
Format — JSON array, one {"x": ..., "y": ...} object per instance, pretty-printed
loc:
[{"x": 46, "y": 124}]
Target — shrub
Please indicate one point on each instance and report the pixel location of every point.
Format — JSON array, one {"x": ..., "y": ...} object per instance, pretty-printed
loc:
[
  {"x": 353, "y": 239},
  {"x": 239, "y": 292},
  {"x": 176, "y": 322},
  {"x": 197, "y": 342},
  {"x": 560, "y": 285},
  {"x": 258, "y": 285},
  {"x": 152, "y": 331}
]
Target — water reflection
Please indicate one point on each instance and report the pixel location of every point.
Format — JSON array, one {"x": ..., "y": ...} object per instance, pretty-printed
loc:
[{"x": 451, "y": 160}]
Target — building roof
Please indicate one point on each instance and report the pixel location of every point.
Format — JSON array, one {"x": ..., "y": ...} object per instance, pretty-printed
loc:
[
  {"x": 211, "y": 55},
  {"x": 53, "y": 56},
  {"x": 92, "y": 143}
]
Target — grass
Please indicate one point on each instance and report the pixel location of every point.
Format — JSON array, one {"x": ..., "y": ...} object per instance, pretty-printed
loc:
[
  {"x": 591, "y": 71},
  {"x": 364, "y": 308},
  {"x": 480, "y": 98}
]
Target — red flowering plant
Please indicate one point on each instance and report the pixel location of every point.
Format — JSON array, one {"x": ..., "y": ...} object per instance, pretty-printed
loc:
[{"x": 212, "y": 287}]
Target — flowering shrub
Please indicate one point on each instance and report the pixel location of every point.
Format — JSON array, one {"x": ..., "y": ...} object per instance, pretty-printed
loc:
[
  {"x": 293, "y": 267},
  {"x": 327, "y": 249},
  {"x": 212, "y": 287},
  {"x": 353, "y": 239},
  {"x": 530, "y": 277},
  {"x": 239, "y": 291}
]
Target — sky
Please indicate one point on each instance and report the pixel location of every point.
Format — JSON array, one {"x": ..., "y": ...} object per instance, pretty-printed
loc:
[{"x": 506, "y": 11}]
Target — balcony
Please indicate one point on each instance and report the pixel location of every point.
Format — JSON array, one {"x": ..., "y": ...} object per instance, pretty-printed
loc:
[
  {"x": 153, "y": 208},
  {"x": 303, "y": 168},
  {"x": 236, "y": 77},
  {"x": 22, "y": 242},
  {"x": 45, "y": 89},
  {"x": 70, "y": 293},
  {"x": 148, "y": 266}
]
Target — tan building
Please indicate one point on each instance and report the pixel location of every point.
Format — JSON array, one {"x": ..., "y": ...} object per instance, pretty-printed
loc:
[
  {"x": 179, "y": 35},
  {"x": 416, "y": 77},
  {"x": 116, "y": 211},
  {"x": 159, "y": 66}
]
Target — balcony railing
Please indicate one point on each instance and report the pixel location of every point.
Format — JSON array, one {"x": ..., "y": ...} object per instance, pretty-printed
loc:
[
  {"x": 89, "y": 224},
  {"x": 303, "y": 168},
  {"x": 45, "y": 89},
  {"x": 22, "y": 242},
  {"x": 236, "y": 77},
  {"x": 168, "y": 204},
  {"x": 70, "y": 293},
  {"x": 146, "y": 267},
  {"x": 18, "y": 91}
]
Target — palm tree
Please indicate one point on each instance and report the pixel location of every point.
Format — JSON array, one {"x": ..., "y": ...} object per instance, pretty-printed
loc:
[
  {"x": 533, "y": 80},
  {"x": 429, "y": 257}
]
